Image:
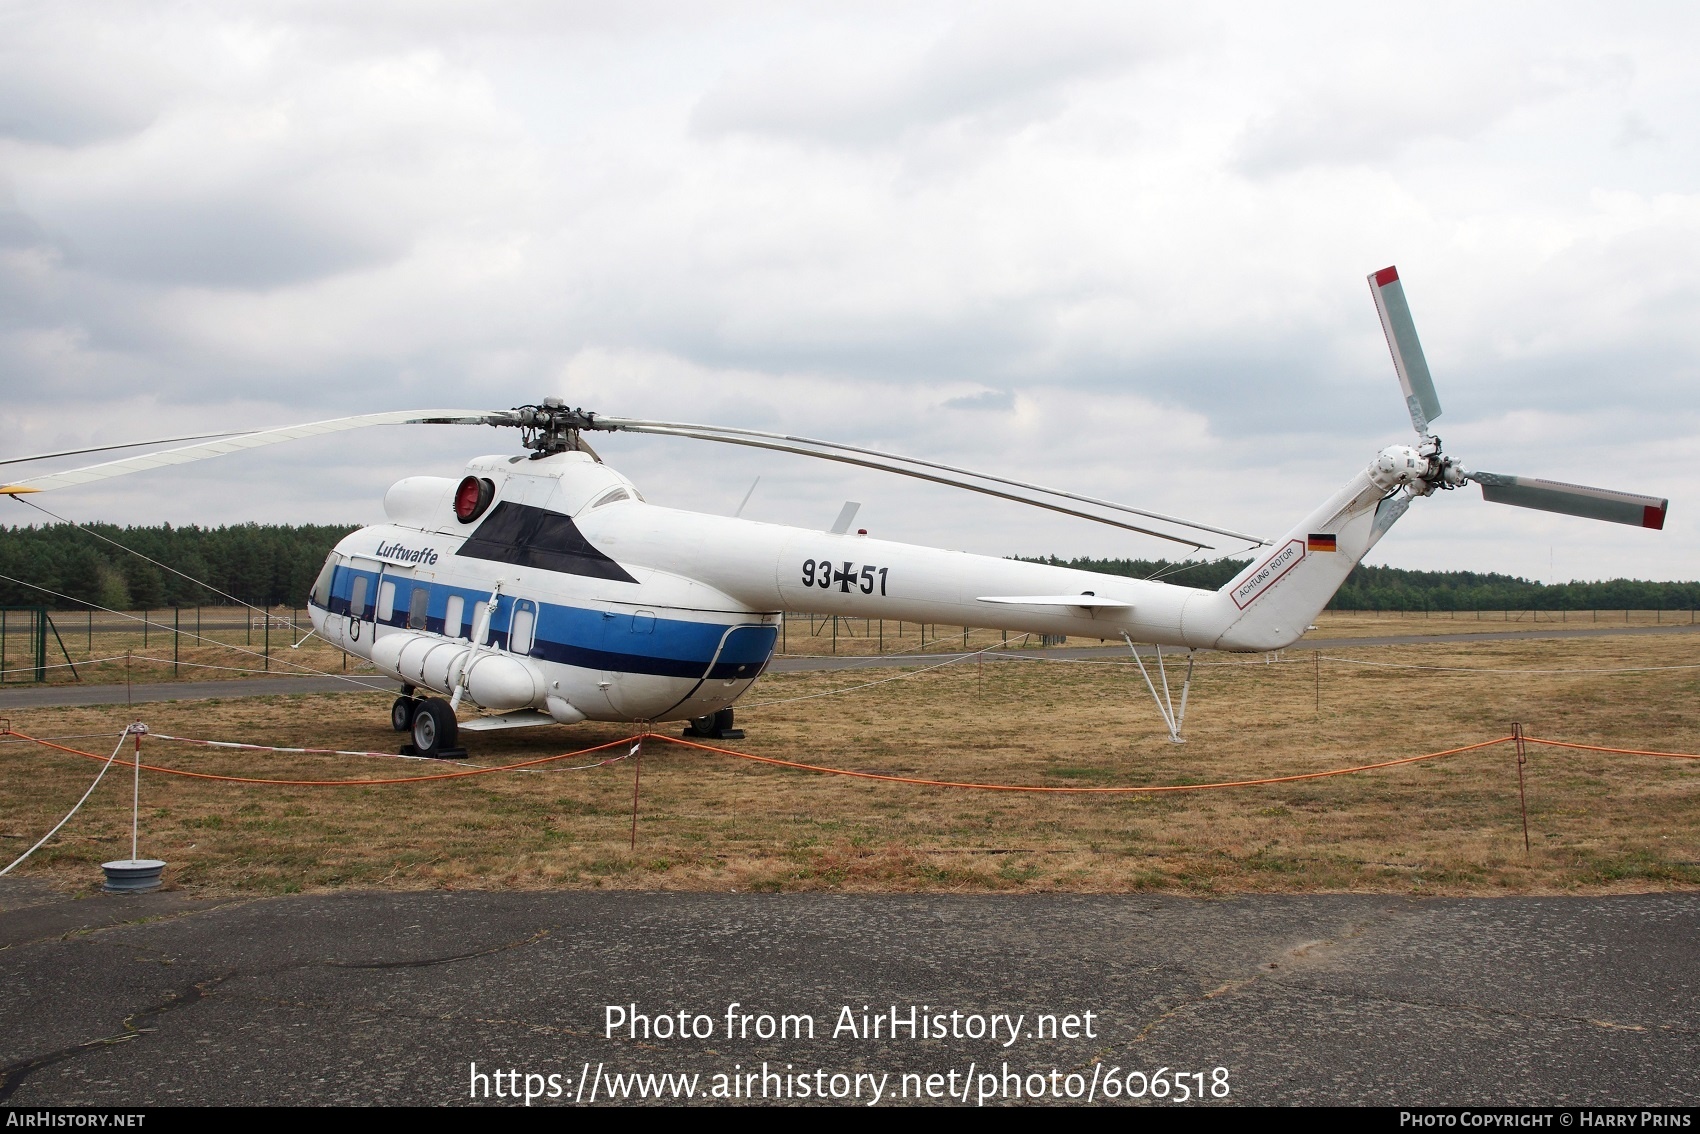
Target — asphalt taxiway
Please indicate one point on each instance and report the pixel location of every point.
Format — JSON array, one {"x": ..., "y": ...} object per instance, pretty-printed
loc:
[{"x": 393, "y": 997}]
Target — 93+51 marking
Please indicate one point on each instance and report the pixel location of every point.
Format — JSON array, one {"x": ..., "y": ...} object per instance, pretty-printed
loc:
[{"x": 823, "y": 574}]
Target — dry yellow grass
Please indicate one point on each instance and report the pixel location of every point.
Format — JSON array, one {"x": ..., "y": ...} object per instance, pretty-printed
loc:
[
  {"x": 849, "y": 637},
  {"x": 219, "y": 643},
  {"x": 1360, "y": 624},
  {"x": 1598, "y": 823}
]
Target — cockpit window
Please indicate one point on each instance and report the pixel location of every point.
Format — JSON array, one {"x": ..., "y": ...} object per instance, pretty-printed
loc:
[
  {"x": 322, "y": 585},
  {"x": 611, "y": 496}
]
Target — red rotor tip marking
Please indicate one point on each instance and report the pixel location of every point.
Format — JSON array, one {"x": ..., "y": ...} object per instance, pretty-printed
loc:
[
  {"x": 1386, "y": 276},
  {"x": 1653, "y": 517}
]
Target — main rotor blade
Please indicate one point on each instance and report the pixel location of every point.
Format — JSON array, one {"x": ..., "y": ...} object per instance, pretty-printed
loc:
[
  {"x": 1408, "y": 359},
  {"x": 1573, "y": 499},
  {"x": 638, "y": 426},
  {"x": 124, "y": 445},
  {"x": 249, "y": 441},
  {"x": 758, "y": 442}
]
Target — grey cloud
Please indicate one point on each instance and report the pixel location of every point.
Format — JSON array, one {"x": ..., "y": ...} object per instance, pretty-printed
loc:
[
  {"x": 230, "y": 243},
  {"x": 76, "y": 74},
  {"x": 19, "y": 230},
  {"x": 997, "y": 400},
  {"x": 984, "y": 65},
  {"x": 57, "y": 111},
  {"x": 1369, "y": 113}
]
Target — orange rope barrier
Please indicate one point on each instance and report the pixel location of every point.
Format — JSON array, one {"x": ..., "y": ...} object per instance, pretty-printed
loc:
[
  {"x": 340, "y": 783},
  {"x": 1078, "y": 790},
  {"x": 1619, "y": 751}
]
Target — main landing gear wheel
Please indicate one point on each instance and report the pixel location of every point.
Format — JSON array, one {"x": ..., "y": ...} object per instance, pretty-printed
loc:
[
  {"x": 435, "y": 731},
  {"x": 401, "y": 713},
  {"x": 715, "y": 726}
]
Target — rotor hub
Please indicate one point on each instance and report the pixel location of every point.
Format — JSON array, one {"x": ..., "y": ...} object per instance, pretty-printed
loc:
[
  {"x": 1419, "y": 470},
  {"x": 551, "y": 427}
]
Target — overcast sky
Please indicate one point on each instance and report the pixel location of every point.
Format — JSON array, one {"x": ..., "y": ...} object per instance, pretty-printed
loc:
[{"x": 1113, "y": 248}]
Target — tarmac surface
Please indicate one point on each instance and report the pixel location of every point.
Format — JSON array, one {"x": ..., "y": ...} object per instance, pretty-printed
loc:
[
  {"x": 55, "y": 696},
  {"x": 392, "y": 998}
]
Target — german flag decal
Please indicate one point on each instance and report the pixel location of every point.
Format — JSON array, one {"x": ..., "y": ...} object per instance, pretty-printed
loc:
[{"x": 1324, "y": 542}]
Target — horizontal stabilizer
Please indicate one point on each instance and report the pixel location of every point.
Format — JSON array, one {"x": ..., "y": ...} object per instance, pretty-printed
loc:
[
  {"x": 521, "y": 718},
  {"x": 846, "y": 517},
  {"x": 1089, "y": 601},
  {"x": 1573, "y": 499}
]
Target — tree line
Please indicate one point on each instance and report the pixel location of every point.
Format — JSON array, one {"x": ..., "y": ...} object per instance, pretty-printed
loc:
[
  {"x": 275, "y": 565},
  {"x": 261, "y": 564},
  {"x": 1394, "y": 588}
]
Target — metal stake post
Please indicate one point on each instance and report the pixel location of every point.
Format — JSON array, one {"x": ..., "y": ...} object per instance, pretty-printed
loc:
[
  {"x": 1522, "y": 799},
  {"x": 136, "y": 795},
  {"x": 637, "y": 777}
]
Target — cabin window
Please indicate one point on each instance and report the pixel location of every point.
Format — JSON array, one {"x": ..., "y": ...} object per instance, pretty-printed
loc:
[
  {"x": 357, "y": 597},
  {"x": 419, "y": 608},
  {"x": 386, "y": 600},
  {"x": 522, "y": 631},
  {"x": 611, "y": 496},
  {"x": 454, "y": 617}
]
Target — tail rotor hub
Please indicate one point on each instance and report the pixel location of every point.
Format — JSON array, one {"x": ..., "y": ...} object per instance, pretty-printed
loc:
[{"x": 1420, "y": 470}]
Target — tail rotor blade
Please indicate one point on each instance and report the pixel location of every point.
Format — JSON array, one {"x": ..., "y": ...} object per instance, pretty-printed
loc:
[
  {"x": 1408, "y": 360},
  {"x": 1573, "y": 499}
]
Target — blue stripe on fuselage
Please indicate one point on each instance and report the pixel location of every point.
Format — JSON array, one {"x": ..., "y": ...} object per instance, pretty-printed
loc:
[{"x": 615, "y": 641}]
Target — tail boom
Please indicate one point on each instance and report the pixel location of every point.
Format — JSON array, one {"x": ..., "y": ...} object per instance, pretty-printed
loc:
[{"x": 1270, "y": 604}]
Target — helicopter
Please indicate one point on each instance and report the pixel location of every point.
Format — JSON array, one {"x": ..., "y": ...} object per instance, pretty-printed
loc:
[{"x": 542, "y": 585}]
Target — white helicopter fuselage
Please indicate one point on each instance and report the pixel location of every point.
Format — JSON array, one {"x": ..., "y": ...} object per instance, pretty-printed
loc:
[{"x": 569, "y": 594}]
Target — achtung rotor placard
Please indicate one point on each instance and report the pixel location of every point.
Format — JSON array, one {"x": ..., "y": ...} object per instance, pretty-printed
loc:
[{"x": 1271, "y": 569}]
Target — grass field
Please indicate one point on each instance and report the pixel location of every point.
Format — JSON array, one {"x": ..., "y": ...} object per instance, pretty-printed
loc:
[
  {"x": 1597, "y": 823},
  {"x": 211, "y": 643}
]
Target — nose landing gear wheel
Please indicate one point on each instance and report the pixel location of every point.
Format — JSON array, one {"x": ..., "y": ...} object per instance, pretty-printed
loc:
[
  {"x": 401, "y": 713},
  {"x": 434, "y": 731}
]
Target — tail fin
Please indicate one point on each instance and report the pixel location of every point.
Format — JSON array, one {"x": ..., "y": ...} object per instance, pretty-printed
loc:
[{"x": 1270, "y": 603}]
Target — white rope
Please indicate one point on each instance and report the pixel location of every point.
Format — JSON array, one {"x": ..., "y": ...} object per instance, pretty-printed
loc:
[
  {"x": 189, "y": 634},
  {"x": 103, "y": 768},
  {"x": 352, "y": 752},
  {"x": 65, "y": 665},
  {"x": 162, "y": 566}
]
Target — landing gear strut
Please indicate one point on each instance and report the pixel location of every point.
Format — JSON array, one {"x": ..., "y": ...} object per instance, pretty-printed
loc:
[
  {"x": 714, "y": 726},
  {"x": 434, "y": 730},
  {"x": 1173, "y": 717}
]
